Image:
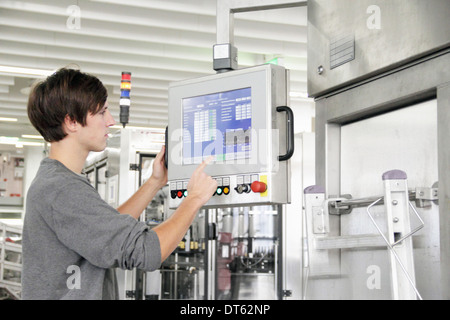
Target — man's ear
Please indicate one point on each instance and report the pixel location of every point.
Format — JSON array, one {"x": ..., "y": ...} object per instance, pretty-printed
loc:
[{"x": 70, "y": 125}]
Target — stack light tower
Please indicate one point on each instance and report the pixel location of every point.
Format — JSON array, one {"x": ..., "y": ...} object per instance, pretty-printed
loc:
[{"x": 125, "y": 98}]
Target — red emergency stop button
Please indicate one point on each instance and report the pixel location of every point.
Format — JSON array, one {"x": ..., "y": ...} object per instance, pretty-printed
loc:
[{"x": 258, "y": 186}]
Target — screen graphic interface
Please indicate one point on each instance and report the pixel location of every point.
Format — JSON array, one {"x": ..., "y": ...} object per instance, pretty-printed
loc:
[{"x": 217, "y": 124}]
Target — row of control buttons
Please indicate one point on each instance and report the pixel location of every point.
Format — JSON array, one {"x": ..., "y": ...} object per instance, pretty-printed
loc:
[
  {"x": 178, "y": 193},
  {"x": 183, "y": 193},
  {"x": 223, "y": 186},
  {"x": 255, "y": 186},
  {"x": 244, "y": 185},
  {"x": 248, "y": 183},
  {"x": 178, "y": 189},
  {"x": 222, "y": 190}
]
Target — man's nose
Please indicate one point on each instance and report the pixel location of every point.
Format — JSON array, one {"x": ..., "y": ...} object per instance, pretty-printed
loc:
[{"x": 111, "y": 120}]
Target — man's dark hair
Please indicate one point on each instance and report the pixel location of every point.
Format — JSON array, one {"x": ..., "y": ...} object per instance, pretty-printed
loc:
[{"x": 66, "y": 92}]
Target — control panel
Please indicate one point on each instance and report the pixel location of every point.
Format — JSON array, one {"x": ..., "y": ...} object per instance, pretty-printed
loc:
[
  {"x": 241, "y": 121},
  {"x": 231, "y": 190}
]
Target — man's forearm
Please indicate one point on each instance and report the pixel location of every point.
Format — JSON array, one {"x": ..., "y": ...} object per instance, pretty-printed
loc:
[{"x": 172, "y": 231}]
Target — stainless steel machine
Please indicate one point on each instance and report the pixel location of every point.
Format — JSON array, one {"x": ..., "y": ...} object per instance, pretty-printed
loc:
[
  {"x": 376, "y": 223},
  {"x": 241, "y": 118},
  {"x": 238, "y": 118}
]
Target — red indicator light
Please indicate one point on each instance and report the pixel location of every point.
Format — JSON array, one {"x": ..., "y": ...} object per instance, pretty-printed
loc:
[{"x": 126, "y": 76}]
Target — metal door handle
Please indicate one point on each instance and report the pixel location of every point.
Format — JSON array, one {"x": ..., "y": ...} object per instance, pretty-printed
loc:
[{"x": 290, "y": 133}]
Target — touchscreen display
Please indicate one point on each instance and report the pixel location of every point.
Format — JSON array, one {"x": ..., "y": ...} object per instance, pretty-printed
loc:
[{"x": 217, "y": 124}]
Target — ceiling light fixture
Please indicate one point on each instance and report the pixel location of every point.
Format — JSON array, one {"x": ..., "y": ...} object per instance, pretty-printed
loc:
[
  {"x": 33, "y": 144},
  {"x": 19, "y": 71},
  {"x": 8, "y": 140},
  {"x": 18, "y": 143},
  {"x": 8, "y": 119},
  {"x": 32, "y": 136}
]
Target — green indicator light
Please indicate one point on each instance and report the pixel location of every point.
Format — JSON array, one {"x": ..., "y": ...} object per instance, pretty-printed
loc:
[
  {"x": 219, "y": 191},
  {"x": 185, "y": 193}
]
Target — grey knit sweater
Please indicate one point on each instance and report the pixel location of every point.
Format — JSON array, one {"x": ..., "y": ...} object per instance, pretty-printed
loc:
[{"x": 73, "y": 240}]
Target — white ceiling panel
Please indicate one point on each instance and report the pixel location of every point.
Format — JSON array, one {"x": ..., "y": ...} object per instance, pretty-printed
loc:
[{"x": 158, "y": 41}]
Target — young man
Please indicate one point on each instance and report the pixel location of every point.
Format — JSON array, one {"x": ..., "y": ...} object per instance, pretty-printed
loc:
[{"x": 72, "y": 239}]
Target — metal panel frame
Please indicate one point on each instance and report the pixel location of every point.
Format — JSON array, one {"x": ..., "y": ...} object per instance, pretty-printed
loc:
[
  {"x": 428, "y": 78},
  {"x": 268, "y": 92},
  {"x": 269, "y": 85},
  {"x": 227, "y": 8}
]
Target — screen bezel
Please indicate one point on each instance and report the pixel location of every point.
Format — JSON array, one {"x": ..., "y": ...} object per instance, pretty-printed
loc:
[{"x": 264, "y": 82}]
